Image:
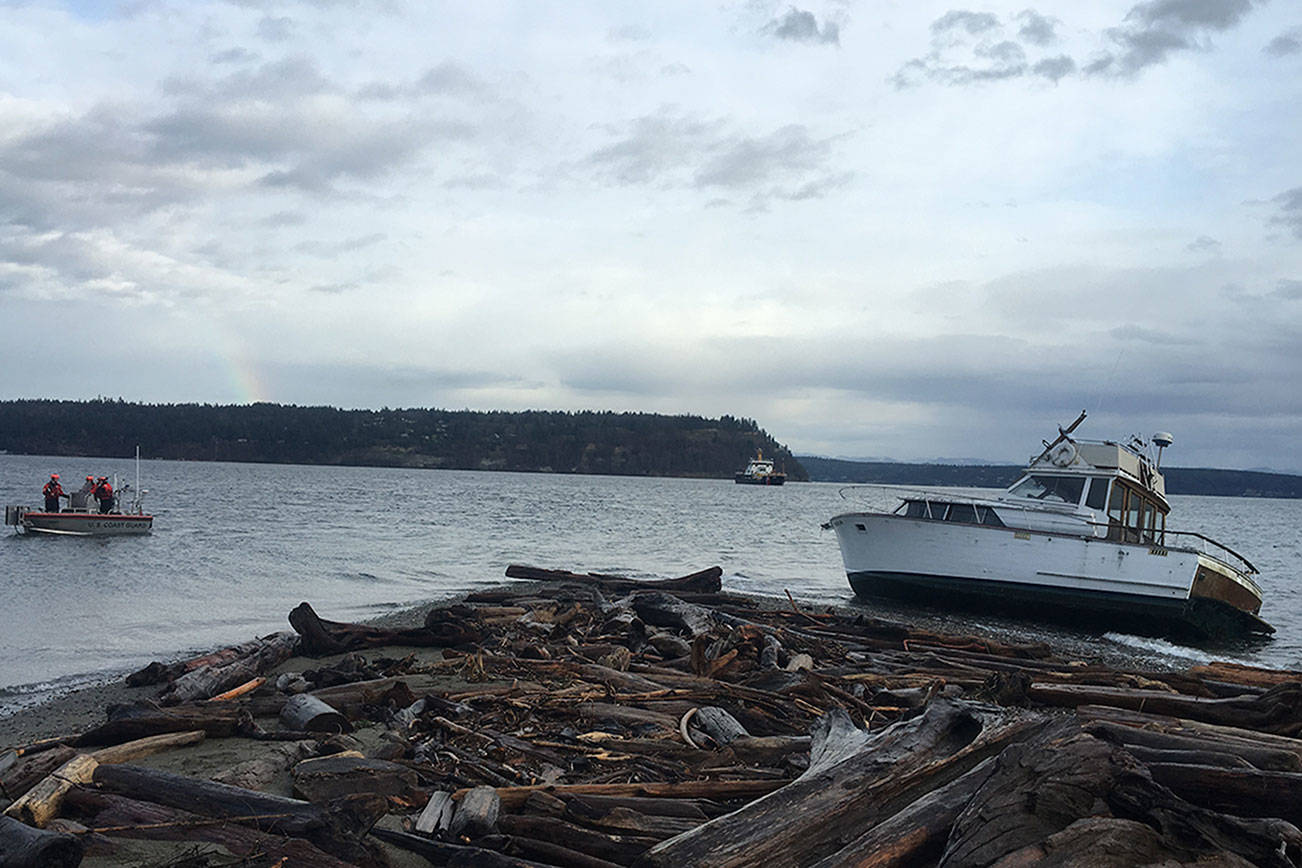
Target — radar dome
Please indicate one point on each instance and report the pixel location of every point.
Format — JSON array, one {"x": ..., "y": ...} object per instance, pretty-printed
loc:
[{"x": 1162, "y": 439}]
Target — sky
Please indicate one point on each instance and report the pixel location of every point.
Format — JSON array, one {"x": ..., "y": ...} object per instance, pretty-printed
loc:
[{"x": 911, "y": 229}]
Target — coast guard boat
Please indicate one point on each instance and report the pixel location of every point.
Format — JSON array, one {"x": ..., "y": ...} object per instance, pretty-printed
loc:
[
  {"x": 1081, "y": 535},
  {"x": 80, "y": 519},
  {"x": 759, "y": 471}
]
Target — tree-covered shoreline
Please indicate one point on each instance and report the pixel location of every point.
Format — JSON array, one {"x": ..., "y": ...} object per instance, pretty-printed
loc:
[
  {"x": 606, "y": 442},
  {"x": 1179, "y": 480}
]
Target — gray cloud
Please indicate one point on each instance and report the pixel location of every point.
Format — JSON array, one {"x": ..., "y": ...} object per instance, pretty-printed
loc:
[
  {"x": 329, "y": 249},
  {"x": 1285, "y": 44},
  {"x": 973, "y": 23},
  {"x": 1289, "y": 289},
  {"x": 1154, "y": 30},
  {"x": 797, "y": 25},
  {"x": 665, "y": 149},
  {"x": 972, "y": 47},
  {"x": 447, "y": 79},
  {"x": 1036, "y": 29},
  {"x": 276, "y": 28},
  {"x": 1054, "y": 68},
  {"x": 1290, "y": 206},
  {"x": 1203, "y": 243}
]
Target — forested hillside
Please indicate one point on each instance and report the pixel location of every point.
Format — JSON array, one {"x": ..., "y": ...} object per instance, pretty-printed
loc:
[
  {"x": 1179, "y": 480},
  {"x": 634, "y": 444}
]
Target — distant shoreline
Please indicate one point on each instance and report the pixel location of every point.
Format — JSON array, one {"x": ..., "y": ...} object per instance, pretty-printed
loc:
[{"x": 1179, "y": 480}]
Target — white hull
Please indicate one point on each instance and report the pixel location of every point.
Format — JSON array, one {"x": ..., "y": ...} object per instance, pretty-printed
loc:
[
  {"x": 899, "y": 556},
  {"x": 85, "y": 523}
]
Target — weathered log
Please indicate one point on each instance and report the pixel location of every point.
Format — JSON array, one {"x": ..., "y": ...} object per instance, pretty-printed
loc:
[
  {"x": 308, "y": 713},
  {"x": 513, "y": 797},
  {"x": 207, "y": 681},
  {"x": 705, "y": 581},
  {"x": 627, "y": 821},
  {"x": 915, "y": 835},
  {"x": 118, "y": 816},
  {"x": 1278, "y": 710},
  {"x": 436, "y": 816},
  {"x": 321, "y": 637},
  {"x": 552, "y": 852},
  {"x": 1228, "y": 735},
  {"x": 325, "y": 779},
  {"x": 21, "y": 773},
  {"x": 336, "y": 827},
  {"x": 158, "y": 673},
  {"x": 240, "y": 690},
  {"x": 21, "y": 846},
  {"x": 851, "y": 784},
  {"x": 719, "y": 725},
  {"x": 41, "y": 803},
  {"x": 452, "y": 855},
  {"x": 1254, "y": 753},
  {"x": 1042, "y": 787},
  {"x": 695, "y": 809},
  {"x": 148, "y": 746},
  {"x": 142, "y": 719},
  {"x": 1242, "y": 792},
  {"x": 621, "y": 849},
  {"x": 664, "y": 610},
  {"x": 627, "y": 715},
  {"x": 476, "y": 813}
]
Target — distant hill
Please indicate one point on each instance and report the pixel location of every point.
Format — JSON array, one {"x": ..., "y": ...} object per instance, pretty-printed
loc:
[
  {"x": 1179, "y": 480},
  {"x": 629, "y": 444}
]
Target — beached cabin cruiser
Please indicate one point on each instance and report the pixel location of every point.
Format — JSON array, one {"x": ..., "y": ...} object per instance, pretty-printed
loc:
[
  {"x": 759, "y": 471},
  {"x": 1082, "y": 534}
]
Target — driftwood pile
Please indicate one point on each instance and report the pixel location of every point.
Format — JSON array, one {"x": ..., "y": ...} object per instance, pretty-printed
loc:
[{"x": 596, "y": 721}]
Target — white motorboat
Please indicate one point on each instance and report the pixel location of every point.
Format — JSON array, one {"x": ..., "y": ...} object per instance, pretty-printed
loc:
[
  {"x": 759, "y": 471},
  {"x": 1082, "y": 535}
]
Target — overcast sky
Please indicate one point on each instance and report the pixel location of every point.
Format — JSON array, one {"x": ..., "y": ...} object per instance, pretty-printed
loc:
[{"x": 907, "y": 229}]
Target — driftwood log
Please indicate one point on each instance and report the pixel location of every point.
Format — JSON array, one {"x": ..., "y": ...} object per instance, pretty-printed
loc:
[
  {"x": 22, "y": 846},
  {"x": 853, "y": 779}
]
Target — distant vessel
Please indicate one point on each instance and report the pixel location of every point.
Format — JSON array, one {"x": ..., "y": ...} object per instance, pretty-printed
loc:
[
  {"x": 759, "y": 471},
  {"x": 1082, "y": 534},
  {"x": 81, "y": 521}
]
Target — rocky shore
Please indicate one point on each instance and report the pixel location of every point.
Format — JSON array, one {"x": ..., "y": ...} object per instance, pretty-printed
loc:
[{"x": 590, "y": 720}]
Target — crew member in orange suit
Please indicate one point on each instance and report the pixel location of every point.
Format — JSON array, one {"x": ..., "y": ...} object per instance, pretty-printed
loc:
[
  {"x": 53, "y": 491},
  {"x": 104, "y": 494}
]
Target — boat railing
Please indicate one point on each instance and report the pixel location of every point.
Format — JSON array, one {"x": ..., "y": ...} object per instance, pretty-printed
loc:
[{"x": 1199, "y": 542}]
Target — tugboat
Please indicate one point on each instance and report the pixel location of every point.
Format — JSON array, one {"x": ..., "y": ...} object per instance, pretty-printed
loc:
[
  {"x": 1081, "y": 535},
  {"x": 759, "y": 471}
]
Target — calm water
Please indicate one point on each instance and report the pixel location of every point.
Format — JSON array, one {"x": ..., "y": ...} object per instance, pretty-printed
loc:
[{"x": 236, "y": 546}]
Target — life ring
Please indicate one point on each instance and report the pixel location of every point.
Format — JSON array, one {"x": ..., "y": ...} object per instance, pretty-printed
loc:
[{"x": 1063, "y": 454}]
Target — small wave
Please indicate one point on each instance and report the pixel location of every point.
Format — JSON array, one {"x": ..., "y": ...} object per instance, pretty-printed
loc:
[
  {"x": 20, "y": 697},
  {"x": 1162, "y": 648}
]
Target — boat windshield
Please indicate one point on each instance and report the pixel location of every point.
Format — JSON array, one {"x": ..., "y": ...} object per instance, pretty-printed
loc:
[{"x": 1052, "y": 489}]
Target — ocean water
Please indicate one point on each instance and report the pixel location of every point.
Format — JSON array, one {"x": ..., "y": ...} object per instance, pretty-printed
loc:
[{"x": 236, "y": 546}]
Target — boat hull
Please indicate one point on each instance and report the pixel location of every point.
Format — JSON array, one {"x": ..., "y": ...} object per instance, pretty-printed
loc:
[
  {"x": 85, "y": 523},
  {"x": 746, "y": 479},
  {"x": 1133, "y": 587}
]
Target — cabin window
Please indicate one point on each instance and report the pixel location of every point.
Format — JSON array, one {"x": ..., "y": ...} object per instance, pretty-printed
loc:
[
  {"x": 986, "y": 515},
  {"x": 964, "y": 512},
  {"x": 915, "y": 509},
  {"x": 1053, "y": 489},
  {"x": 1134, "y": 512},
  {"x": 937, "y": 509},
  {"x": 1117, "y": 512},
  {"x": 1098, "y": 494}
]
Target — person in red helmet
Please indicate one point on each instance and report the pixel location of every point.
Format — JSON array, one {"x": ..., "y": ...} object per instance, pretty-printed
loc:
[
  {"x": 104, "y": 494},
  {"x": 53, "y": 491}
]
